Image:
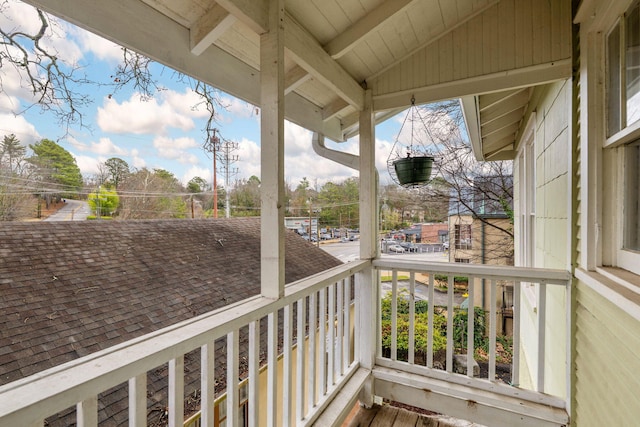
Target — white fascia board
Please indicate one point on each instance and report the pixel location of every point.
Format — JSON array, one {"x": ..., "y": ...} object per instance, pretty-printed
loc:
[{"x": 470, "y": 113}]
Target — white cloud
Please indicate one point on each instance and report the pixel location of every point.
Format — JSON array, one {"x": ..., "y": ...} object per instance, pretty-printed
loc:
[
  {"x": 137, "y": 161},
  {"x": 194, "y": 171},
  {"x": 143, "y": 117},
  {"x": 88, "y": 165},
  {"x": 106, "y": 147},
  {"x": 176, "y": 149},
  {"x": 100, "y": 47},
  {"x": 20, "y": 127}
]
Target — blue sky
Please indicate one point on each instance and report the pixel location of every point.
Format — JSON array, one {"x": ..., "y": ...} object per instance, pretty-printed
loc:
[{"x": 164, "y": 132}]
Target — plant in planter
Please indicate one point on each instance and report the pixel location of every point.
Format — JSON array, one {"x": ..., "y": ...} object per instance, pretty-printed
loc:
[{"x": 413, "y": 169}]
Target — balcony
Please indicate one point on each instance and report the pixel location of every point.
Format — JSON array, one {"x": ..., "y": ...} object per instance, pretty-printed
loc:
[{"x": 325, "y": 336}]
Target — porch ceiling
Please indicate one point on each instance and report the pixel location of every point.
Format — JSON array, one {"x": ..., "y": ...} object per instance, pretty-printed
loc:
[{"x": 335, "y": 49}]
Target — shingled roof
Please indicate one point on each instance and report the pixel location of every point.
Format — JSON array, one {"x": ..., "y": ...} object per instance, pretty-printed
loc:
[{"x": 72, "y": 288}]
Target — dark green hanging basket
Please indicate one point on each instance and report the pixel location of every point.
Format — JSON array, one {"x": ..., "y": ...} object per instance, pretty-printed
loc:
[{"x": 413, "y": 170}]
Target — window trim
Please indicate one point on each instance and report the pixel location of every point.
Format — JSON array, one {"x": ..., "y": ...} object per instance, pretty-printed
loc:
[{"x": 613, "y": 158}]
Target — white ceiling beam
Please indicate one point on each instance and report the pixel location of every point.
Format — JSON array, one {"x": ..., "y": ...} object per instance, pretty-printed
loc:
[
  {"x": 294, "y": 78},
  {"x": 521, "y": 77},
  {"x": 253, "y": 13},
  {"x": 334, "y": 108},
  {"x": 305, "y": 50},
  {"x": 368, "y": 23},
  {"x": 135, "y": 25},
  {"x": 209, "y": 28}
]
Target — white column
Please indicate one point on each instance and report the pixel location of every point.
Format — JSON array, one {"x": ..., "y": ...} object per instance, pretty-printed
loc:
[
  {"x": 272, "y": 153},
  {"x": 366, "y": 283}
]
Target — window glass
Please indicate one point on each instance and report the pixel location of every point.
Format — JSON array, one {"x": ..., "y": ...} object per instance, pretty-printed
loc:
[
  {"x": 613, "y": 81},
  {"x": 632, "y": 199},
  {"x": 463, "y": 236},
  {"x": 632, "y": 63}
]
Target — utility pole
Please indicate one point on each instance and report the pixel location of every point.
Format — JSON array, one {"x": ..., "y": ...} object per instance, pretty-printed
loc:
[
  {"x": 212, "y": 146},
  {"x": 222, "y": 149},
  {"x": 228, "y": 159}
]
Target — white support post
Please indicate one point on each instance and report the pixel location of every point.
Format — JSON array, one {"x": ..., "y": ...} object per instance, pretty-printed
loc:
[
  {"x": 87, "y": 412},
  {"x": 176, "y": 392},
  {"x": 272, "y": 153},
  {"x": 233, "y": 364},
  {"x": 254, "y": 373},
  {"x": 138, "y": 401},
  {"x": 366, "y": 283}
]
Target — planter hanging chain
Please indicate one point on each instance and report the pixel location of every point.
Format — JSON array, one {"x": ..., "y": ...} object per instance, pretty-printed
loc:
[{"x": 415, "y": 169}]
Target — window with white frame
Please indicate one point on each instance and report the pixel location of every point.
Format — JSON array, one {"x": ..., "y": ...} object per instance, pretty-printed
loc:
[
  {"x": 622, "y": 47},
  {"x": 527, "y": 206},
  {"x": 462, "y": 233}
]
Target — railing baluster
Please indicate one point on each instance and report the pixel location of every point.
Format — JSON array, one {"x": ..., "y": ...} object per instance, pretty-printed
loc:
[
  {"x": 233, "y": 364},
  {"x": 254, "y": 373},
  {"x": 515, "y": 368},
  {"x": 300, "y": 360},
  {"x": 412, "y": 315},
  {"x": 322, "y": 340},
  {"x": 331, "y": 324},
  {"x": 431, "y": 319},
  {"x": 87, "y": 412},
  {"x": 492, "y": 331},
  {"x": 340, "y": 326},
  {"x": 450, "y": 324},
  {"x": 287, "y": 365},
  {"x": 138, "y": 400},
  {"x": 311, "y": 375},
  {"x": 176, "y": 391},
  {"x": 471, "y": 317},
  {"x": 542, "y": 322},
  {"x": 394, "y": 315},
  {"x": 346, "y": 338},
  {"x": 272, "y": 372}
]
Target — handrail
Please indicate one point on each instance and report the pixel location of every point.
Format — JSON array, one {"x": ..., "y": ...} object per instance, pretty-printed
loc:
[
  {"x": 29, "y": 400},
  {"x": 524, "y": 274}
]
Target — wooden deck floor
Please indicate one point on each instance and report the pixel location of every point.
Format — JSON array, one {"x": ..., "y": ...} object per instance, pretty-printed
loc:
[{"x": 390, "y": 416}]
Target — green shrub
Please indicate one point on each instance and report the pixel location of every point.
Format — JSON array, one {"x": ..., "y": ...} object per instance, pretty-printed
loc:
[
  {"x": 460, "y": 328},
  {"x": 421, "y": 323}
]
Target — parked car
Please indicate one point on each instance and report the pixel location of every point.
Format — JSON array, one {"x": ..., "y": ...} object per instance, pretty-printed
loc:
[
  {"x": 445, "y": 245},
  {"x": 396, "y": 248},
  {"x": 409, "y": 247}
]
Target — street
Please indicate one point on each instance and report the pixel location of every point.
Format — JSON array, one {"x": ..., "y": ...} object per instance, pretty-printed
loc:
[
  {"x": 349, "y": 251},
  {"x": 73, "y": 210}
]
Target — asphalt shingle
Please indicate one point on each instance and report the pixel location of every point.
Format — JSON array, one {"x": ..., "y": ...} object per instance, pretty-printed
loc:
[{"x": 72, "y": 288}]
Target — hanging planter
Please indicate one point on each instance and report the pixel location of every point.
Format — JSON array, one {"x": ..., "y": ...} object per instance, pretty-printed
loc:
[{"x": 414, "y": 169}]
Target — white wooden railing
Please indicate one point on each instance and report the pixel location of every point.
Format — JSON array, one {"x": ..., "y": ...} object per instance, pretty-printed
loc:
[
  {"x": 478, "y": 276},
  {"x": 316, "y": 328},
  {"x": 320, "y": 307}
]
